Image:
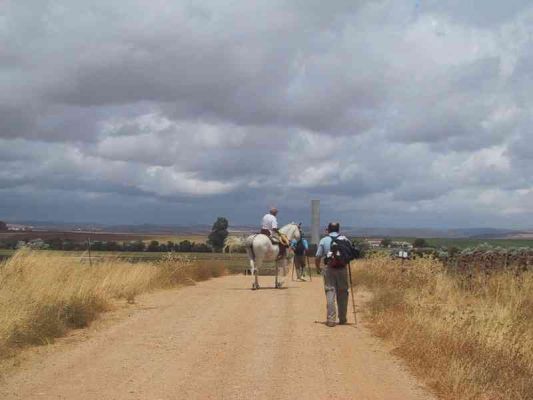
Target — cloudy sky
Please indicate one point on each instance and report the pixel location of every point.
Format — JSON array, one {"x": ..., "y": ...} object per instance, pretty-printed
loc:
[{"x": 395, "y": 113}]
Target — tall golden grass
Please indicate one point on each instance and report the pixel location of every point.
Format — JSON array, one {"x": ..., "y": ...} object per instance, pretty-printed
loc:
[
  {"x": 470, "y": 336},
  {"x": 43, "y": 295}
]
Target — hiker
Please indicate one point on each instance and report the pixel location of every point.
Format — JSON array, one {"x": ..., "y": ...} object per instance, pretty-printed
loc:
[
  {"x": 335, "y": 276},
  {"x": 300, "y": 248},
  {"x": 269, "y": 227}
]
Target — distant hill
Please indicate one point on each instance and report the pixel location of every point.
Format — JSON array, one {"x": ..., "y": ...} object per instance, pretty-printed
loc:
[
  {"x": 432, "y": 233},
  {"x": 473, "y": 233}
]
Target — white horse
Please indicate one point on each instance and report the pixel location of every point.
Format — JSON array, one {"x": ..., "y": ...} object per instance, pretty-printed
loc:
[{"x": 260, "y": 249}]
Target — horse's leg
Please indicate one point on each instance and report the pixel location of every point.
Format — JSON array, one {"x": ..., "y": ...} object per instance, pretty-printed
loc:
[
  {"x": 252, "y": 267},
  {"x": 255, "y": 272},
  {"x": 256, "y": 275},
  {"x": 279, "y": 282}
]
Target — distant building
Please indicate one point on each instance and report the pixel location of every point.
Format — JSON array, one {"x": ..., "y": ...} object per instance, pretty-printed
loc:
[{"x": 17, "y": 227}]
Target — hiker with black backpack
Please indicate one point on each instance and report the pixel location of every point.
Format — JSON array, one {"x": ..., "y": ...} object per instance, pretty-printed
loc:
[
  {"x": 337, "y": 252},
  {"x": 300, "y": 248}
]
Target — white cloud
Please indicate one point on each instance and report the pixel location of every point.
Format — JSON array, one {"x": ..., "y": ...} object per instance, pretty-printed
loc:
[{"x": 368, "y": 105}]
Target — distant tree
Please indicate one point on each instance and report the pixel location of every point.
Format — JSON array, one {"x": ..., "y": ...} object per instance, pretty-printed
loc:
[
  {"x": 55, "y": 243},
  {"x": 453, "y": 251},
  {"x": 171, "y": 246},
  {"x": 137, "y": 245},
  {"x": 153, "y": 246},
  {"x": 184, "y": 246},
  {"x": 10, "y": 243},
  {"x": 200, "y": 248},
  {"x": 98, "y": 245},
  {"x": 68, "y": 245},
  {"x": 113, "y": 246},
  {"x": 218, "y": 234},
  {"x": 420, "y": 243},
  {"x": 3, "y": 226},
  {"x": 386, "y": 242},
  {"x": 362, "y": 245}
]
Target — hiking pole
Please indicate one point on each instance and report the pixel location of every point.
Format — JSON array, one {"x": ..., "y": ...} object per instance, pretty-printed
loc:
[
  {"x": 353, "y": 298},
  {"x": 293, "y": 266}
]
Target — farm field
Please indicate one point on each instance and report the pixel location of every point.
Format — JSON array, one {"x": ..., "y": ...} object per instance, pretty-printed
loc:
[
  {"x": 235, "y": 263},
  {"x": 77, "y": 236}
]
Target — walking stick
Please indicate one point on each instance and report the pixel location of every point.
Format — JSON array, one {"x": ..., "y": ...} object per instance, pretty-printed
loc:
[
  {"x": 353, "y": 297},
  {"x": 293, "y": 266}
]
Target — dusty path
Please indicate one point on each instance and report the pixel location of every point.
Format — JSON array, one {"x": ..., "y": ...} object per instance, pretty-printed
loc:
[{"x": 220, "y": 340}]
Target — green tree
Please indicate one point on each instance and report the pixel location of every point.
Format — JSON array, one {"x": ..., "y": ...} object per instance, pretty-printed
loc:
[
  {"x": 386, "y": 242},
  {"x": 184, "y": 246},
  {"x": 420, "y": 243},
  {"x": 137, "y": 245},
  {"x": 55, "y": 243},
  {"x": 153, "y": 246},
  {"x": 218, "y": 234},
  {"x": 200, "y": 248}
]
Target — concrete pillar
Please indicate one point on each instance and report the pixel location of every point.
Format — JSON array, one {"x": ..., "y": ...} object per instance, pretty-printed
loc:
[{"x": 315, "y": 221}]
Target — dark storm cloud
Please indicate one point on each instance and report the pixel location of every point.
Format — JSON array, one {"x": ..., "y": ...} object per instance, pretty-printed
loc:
[{"x": 372, "y": 106}]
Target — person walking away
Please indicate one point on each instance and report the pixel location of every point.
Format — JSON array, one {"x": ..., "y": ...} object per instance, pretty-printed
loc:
[
  {"x": 269, "y": 227},
  {"x": 300, "y": 248},
  {"x": 335, "y": 276}
]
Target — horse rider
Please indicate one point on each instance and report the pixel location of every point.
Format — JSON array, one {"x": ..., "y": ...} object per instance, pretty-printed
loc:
[
  {"x": 269, "y": 227},
  {"x": 300, "y": 248},
  {"x": 335, "y": 278}
]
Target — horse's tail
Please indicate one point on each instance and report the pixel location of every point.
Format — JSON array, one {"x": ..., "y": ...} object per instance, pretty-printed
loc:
[{"x": 250, "y": 245}]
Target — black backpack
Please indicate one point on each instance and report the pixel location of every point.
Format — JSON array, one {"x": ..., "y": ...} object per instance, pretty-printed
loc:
[
  {"x": 342, "y": 251},
  {"x": 299, "y": 250}
]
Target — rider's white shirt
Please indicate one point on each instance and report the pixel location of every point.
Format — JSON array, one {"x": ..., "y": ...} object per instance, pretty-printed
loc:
[{"x": 269, "y": 222}]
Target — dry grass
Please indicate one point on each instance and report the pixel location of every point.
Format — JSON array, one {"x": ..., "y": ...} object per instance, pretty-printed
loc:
[
  {"x": 470, "y": 337},
  {"x": 42, "y": 296}
]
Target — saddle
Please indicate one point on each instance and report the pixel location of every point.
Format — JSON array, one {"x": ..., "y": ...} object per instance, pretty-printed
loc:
[{"x": 280, "y": 239}]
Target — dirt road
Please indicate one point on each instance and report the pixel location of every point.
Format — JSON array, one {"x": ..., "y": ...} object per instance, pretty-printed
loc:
[{"x": 220, "y": 340}]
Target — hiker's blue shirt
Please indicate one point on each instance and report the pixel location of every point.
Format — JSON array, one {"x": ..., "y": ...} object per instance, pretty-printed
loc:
[
  {"x": 325, "y": 244},
  {"x": 294, "y": 242}
]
